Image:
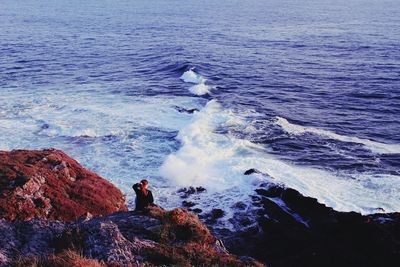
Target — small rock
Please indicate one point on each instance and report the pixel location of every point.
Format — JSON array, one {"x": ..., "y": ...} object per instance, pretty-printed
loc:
[
  {"x": 239, "y": 205},
  {"x": 217, "y": 213},
  {"x": 197, "y": 210},
  {"x": 187, "y": 191},
  {"x": 85, "y": 217},
  {"x": 184, "y": 110},
  {"x": 188, "y": 204},
  {"x": 251, "y": 171}
]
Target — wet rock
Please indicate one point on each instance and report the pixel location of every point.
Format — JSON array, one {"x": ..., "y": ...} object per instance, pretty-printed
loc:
[
  {"x": 217, "y": 213},
  {"x": 289, "y": 229},
  {"x": 239, "y": 205},
  {"x": 196, "y": 210},
  {"x": 188, "y": 204},
  {"x": 45, "y": 126},
  {"x": 184, "y": 110},
  {"x": 251, "y": 171},
  {"x": 187, "y": 191},
  {"x": 213, "y": 216}
]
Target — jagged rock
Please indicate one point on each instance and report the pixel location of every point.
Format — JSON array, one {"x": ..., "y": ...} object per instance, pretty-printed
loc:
[
  {"x": 289, "y": 229},
  {"x": 124, "y": 238},
  {"x": 196, "y": 210},
  {"x": 60, "y": 214},
  {"x": 187, "y": 191},
  {"x": 50, "y": 184},
  {"x": 31, "y": 238},
  {"x": 251, "y": 171},
  {"x": 217, "y": 213},
  {"x": 188, "y": 204},
  {"x": 184, "y": 110}
]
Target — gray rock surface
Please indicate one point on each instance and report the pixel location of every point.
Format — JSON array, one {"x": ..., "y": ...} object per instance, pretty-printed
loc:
[{"x": 117, "y": 238}]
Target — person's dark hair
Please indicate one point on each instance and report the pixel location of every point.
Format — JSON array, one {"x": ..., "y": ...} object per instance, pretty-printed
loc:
[{"x": 144, "y": 189}]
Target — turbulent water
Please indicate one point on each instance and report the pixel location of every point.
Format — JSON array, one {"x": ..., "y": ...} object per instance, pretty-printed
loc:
[{"x": 306, "y": 92}]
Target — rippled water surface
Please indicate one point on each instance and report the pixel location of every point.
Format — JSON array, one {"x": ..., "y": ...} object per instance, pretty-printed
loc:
[{"x": 307, "y": 92}]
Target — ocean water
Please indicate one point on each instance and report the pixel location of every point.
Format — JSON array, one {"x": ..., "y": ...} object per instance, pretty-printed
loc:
[{"x": 307, "y": 92}]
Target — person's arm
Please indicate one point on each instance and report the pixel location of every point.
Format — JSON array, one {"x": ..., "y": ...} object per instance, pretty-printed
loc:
[
  {"x": 136, "y": 187},
  {"x": 151, "y": 199}
]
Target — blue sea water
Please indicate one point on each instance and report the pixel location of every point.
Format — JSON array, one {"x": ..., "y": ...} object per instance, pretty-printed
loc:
[{"x": 307, "y": 92}]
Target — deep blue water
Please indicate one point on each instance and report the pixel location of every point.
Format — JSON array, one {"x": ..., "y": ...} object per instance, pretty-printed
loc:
[{"x": 313, "y": 84}]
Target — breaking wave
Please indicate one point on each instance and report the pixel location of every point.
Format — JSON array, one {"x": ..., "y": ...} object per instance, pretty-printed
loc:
[
  {"x": 218, "y": 162},
  {"x": 374, "y": 146}
]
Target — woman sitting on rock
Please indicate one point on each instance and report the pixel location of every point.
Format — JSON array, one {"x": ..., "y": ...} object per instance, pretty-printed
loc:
[{"x": 144, "y": 197}]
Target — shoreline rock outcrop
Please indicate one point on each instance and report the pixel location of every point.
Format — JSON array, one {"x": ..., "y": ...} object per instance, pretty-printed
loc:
[
  {"x": 50, "y": 184},
  {"x": 127, "y": 238},
  {"x": 53, "y": 212},
  {"x": 289, "y": 229}
]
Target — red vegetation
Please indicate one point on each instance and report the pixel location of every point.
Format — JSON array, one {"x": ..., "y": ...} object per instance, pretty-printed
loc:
[{"x": 50, "y": 184}]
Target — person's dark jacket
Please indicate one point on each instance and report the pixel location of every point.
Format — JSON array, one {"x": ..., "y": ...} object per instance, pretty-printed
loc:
[{"x": 142, "y": 200}]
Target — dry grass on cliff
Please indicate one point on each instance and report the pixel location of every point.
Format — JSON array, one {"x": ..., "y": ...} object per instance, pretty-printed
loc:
[
  {"x": 192, "y": 254},
  {"x": 186, "y": 241},
  {"x": 68, "y": 258},
  {"x": 181, "y": 225}
]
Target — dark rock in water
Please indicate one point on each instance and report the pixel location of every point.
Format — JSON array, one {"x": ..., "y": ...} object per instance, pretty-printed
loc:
[
  {"x": 217, "y": 213},
  {"x": 50, "y": 184},
  {"x": 213, "y": 216},
  {"x": 197, "y": 210},
  {"x": 286, "y": 228},
  {"x": 45, "y": 126},
  {"x": 239, "y": 205},
  {"x": 188, "y": 204},
  {"x": 184, "y": 110},
  {"x": 187, "y": 191},
  {"x": 251, "y": 171},
  {"x": 200, "y": 189}
]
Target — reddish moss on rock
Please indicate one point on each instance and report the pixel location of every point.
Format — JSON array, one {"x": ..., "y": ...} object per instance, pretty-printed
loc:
[{"x": 50, "y": 184}]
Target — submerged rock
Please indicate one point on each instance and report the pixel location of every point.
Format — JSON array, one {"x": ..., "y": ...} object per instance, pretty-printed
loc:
[{"x": 50, "y": 184}]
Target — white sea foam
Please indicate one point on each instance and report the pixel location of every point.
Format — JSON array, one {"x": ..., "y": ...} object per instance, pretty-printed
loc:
[
  {"x": 218, "y": 162},
  {"x": 192, "y": 77},
  {"x": 374, "y": 146},
  {"x": 200, "y": 89},
  {"x": 120, "y": 137}
]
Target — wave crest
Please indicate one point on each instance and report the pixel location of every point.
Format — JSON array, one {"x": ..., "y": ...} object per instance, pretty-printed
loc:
[{"x": 376, "y": 147}]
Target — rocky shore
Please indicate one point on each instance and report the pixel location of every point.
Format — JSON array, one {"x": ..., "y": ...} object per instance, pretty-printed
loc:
[
  {"x": 53, "y": 212},
  {"x": 290, "y": 229},
  {"x": 280, "y": 227}
]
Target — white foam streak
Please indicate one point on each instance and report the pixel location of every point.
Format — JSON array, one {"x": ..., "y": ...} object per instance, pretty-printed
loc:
[{"x": 374, "y": 146}]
